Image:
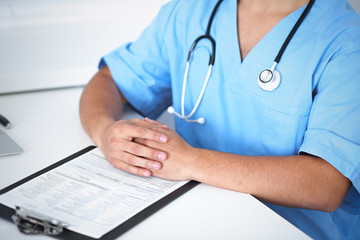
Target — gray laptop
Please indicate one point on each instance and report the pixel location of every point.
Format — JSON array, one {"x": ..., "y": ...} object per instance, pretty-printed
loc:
[{"x": 8, "y": 146}]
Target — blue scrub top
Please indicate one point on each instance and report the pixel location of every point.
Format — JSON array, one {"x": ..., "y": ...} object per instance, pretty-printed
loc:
[{"x": 315, "y": 110}]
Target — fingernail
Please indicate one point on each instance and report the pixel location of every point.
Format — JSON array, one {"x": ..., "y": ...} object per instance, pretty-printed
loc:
[
  {"x": 156, "y": 165},
  {"x": 161, "y": 156},
  {"x": 146, "y": 173},
  {"x": 163, "y": 139}
]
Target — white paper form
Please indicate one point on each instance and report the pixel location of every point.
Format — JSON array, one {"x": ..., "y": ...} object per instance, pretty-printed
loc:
[{"x": 89, "y": 194}]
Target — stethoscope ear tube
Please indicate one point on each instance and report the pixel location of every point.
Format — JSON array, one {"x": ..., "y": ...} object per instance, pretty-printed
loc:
[
  {"x": 193, "y": 46},
  {"x": 268, "y": 79},
  {"x": 171, "y": 109}
]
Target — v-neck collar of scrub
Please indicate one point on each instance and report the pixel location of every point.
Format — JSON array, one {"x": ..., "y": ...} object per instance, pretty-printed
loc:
[{"x": 228, "y": 37}]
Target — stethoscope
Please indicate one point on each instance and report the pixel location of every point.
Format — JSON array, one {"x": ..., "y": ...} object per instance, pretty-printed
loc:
[{"x": 269, "y": 78}]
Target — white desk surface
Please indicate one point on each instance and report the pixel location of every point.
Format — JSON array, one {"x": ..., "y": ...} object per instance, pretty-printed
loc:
[{"x": 47, "y": 126}]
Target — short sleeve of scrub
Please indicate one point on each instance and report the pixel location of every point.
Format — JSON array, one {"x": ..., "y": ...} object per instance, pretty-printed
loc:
[
  {"x": 140, "y": 69},
  {"x": 334, "y": 125}
]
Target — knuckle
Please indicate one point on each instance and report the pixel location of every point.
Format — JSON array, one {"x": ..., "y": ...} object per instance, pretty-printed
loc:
[
  {"x": 113, "y": 142},
  {"x": 136, "y": 149},
  {"x": 119, "y": 129},
  {"x": 135, "y": 121},
  {"x": 141, "y": 132},
  {"x": 130, "y": 159},
  {"x": 126, "y": 158}
]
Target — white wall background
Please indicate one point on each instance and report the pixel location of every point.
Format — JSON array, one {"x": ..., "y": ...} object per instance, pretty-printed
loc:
[
  {"x": 355, "y": 4},
  {"x": 58, "y": 43}
]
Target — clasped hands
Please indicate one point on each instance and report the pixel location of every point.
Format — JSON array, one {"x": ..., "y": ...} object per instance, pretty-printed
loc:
[{"x": 148, "y": 148}]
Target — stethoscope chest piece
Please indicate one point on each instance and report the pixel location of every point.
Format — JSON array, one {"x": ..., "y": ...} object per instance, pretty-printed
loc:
[{"x": 269, "y": 79}]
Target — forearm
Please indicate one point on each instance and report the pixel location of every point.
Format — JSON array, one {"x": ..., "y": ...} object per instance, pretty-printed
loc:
[
  {"x": 302, "y": 181},
  {"x": 297, "y": 181},
  {"x": 101, "y": 104}
]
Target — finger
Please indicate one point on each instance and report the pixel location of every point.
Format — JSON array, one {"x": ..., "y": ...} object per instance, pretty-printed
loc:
[
  {"x": 147, "y": 122},
  {"x": 131, "y": 169},
  {"x": 155, "y": 122},
  {"x": 139, "y": 129},
  {"x": 143, "y": 151},
  {"x": 133, "y": 164},
  {"x": 149, "y": 126},
  {"x": 149, "y": 143},
  {"x": 152, "y": 121}
]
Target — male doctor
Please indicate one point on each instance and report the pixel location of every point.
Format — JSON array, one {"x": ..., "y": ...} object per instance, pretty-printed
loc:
[{"x": 297, "y": 148}]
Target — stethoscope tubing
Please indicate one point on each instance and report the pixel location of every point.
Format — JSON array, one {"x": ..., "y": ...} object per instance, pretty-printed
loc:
[
  {"x": 200, "y": 95},
  {"x": 213, "y": 46},
  {"x": 268, "y": 79},
  {"x": 293, "y": 31},
  {"x": 208, "y": 74}
]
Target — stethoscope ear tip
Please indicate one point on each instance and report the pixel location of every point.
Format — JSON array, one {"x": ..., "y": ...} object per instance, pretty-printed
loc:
[{"x": 171, "y": 110}]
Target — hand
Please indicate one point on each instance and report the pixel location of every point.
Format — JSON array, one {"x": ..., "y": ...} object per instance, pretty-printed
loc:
[
  {"x": 118, "y": 145},
  {"x": 180, "y": 162}
]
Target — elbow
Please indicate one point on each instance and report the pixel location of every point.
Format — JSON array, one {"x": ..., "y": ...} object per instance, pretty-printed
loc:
[
  {"x": 323, "y": 202},
  {"x": 331, "y": 193},
  {"x": 331, "y": 205},
  {"x": 332, "y": 198}
]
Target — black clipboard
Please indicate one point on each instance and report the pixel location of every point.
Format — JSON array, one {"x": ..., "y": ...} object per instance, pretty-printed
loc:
[{"x": 6, "y": 212}]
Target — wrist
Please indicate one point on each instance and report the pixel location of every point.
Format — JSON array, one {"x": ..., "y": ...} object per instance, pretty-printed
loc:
[
  {"x": 195, "y": 163},
  {"x": 99, "y": 130},
  {"x": 205, "y": 165}
]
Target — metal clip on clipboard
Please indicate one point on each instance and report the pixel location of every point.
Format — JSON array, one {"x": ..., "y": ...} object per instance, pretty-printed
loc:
[{"x": 30, "y": 222}]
